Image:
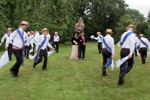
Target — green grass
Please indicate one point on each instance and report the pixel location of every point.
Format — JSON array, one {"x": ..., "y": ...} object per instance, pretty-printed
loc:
[{"x": 74, "y": 80}]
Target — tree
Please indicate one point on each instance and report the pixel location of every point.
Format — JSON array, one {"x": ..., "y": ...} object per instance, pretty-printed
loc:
[
  {"x": 148, "y": 17},
  {"x": 136, "y": 16},
  {"x": 56, "y": 15}
]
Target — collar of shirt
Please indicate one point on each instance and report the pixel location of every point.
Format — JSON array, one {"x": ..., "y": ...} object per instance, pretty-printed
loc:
[
  {"x": 21, "y": 30},
  {"x": 108, "y": 35}
]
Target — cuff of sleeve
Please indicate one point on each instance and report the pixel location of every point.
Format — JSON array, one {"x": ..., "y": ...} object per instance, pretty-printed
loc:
[{"x": 7, "y": 44}]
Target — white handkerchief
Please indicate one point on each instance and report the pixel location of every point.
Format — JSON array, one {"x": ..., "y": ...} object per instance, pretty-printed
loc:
[
  {"x": 50, "y": 52},
  {"x": 121, "y": 61},
  {"x": 37, "y": 36},
  {"x": 112, "y": 65},
  {"x": 148, "y": 53},
  {"x": 137, "y": 52},
  {"x": 0, "y": 44},
  {"x": 32, "y": 57},
  {"x": 31, "y": 50},
  {"x": 118, "y": 44},
  {"x": 4, "y": 59},
  {"x": 91, "y": 36}
]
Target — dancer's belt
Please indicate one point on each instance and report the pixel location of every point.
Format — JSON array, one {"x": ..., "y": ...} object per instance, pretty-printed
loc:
[
  {"x": 143, "y": 48},
  {"x": 16, "y": 48},
  {"x": 126, "y": 48}
]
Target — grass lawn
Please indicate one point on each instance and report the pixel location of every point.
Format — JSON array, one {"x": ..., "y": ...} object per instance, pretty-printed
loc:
[{"x": 74, "y": 80}]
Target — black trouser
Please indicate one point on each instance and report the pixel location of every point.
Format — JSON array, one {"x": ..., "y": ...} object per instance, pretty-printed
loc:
[
  {"x": 125, "y": 52},
  {"x": 48, "y": 48},
  {"x": 56, "y": 45},
  {"x": 33, "y": 49},
  {"x": 43, "y": 53},
  {"x": 143, "y": 52},
  {"x": 16, "y": 66},
  {"x": 135, "y": 51},
  {"x": 106, "y": 56},
  {"x": 82, "y": 51},
  {"x": 10, "y": 51},
  {"x": 100, "y": 47},
  {"x": 27, "y": 49}
]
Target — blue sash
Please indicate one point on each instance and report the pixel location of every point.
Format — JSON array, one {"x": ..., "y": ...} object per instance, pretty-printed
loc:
[
  {"x": 39, "y": 48},
  {"x": 109, "y": 49},
  {"x": 143, "y": 42},
  {"x": 124, "y": 39},
  {"x": 8, "y": 34},
  {"x": 126, "y": 36},
  {"x": 100, "y": 37},
  {"x": 21, "y": 36}
]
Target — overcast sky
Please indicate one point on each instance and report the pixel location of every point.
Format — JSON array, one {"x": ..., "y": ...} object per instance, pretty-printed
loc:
[{"x": 142, "y": 5}]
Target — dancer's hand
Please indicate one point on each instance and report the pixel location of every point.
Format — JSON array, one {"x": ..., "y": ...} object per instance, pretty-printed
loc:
[
  {"x": 113, "y": 56},
  {"x": 6, "y": 48},
  {"x": 130, "y": 56},
  {"x": 53, "y": 49}
]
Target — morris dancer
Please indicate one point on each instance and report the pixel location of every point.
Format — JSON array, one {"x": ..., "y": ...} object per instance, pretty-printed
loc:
[
  {"x": 137, "y": 41},
  {"x": 41, "y": 48},
  {"x": 18, "y": 37},
  {"x": 32, "y": 43},
  {"x": 107, "y": 51},
  {"x": 128, "y": 40},
  {"x": 99, "y": 39},
  {"x": 56, "y": 42},
  {"x": 28, "y": 45},
  {"x": 7, "y": 35},
  {"x": 144, "y": 45}
]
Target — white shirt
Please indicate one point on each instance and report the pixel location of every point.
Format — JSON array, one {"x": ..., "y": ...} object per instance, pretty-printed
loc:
[
  {"x": 129, "y": 42},
  {"x": 110, "y": 42},
  {"x": 56, "y": 38},
  {"x": 49, "y": 36},
  {"x": 16, "y": 38},
  {"x": 98, "y": 38},
  {"x": 41, "y": 39},
  {"x": 141, "y": 44},
  {"x": 28, "y": 42},
  {"x": 5, "y": 36},
  {"x": 136, "y": 39}
]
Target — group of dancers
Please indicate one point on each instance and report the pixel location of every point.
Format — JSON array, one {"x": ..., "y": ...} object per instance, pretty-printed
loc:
[
  {"x": 20, "y": 43},
  {"x": 130, "y": 44}
]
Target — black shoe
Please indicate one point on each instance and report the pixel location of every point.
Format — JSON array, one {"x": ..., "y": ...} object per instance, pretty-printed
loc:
[
  {"x": 16, "y": 76},
  {"x": 80, "y": 58},
  {"x": 34, "y": 65},
  {"x": 104, "y": 73},
  {"x": 83, "y": 58},
  {"x": 13, "y": 74},
  {"x": 120, "y": 82},
  {"x": 45, "y": 69}
]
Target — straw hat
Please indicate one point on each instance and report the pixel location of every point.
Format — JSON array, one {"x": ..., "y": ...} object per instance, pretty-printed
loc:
[
  {"x": 44, "y": 29},
  {"x": 132, "y": 26},
  {"x": 109, "y": 31},
  {"x": 24, "y": 23},
  {"x": 141, "y": 35},
  {"x": 9, "y": 29}
]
